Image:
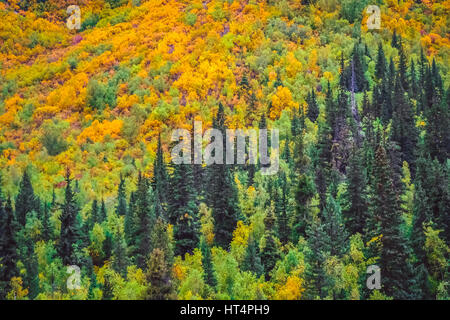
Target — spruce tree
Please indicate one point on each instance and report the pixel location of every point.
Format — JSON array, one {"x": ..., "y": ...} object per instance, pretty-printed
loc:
[
  {"x": 315, "y": 276},
  {"x": 403, "y": 67},
  {"x": 121, "y": 208},
  {"x": 222, "y": 195},
  {"x": 160, "y": 239},
  {"x": 26, "y": 201},
  {"x": 333, "y": 227},
  {"x": 183, "y": 211},
  {"x": 252, "y": 259},
  {"x": 120, "y": 259},
  {"x": 303, "y": 189},
  {"x": 356, "y": 194},
  {"x": 102, "y": 213},
  {"x": 209, "y": 274},
  {"x": 159, "y": 278},
  {"x": 94, "y": 218},
  {"x": 269, "y": 252},
  {"x": 380, "y": 67},
  {"x": 69, "y": 234},
  {"x": 145, "y": 217},
  {"x": 160, "y": 182},
  {"x": 404, "y": 131},
  {"x": 130, "y": 223},
  {"x": 8, "y": 247},
  {"x": 313, "y": 108},
  {"x": 394, "y": 260}
]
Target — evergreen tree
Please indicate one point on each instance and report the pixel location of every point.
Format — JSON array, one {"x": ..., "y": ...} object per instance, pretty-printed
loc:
[
  {"x": 209, "y": 274},
  {"x": 130, "y": 223},
  {"x": 413, "y": 88},
  {"x": 315, "y": 276},
  {"x": 32, "y": 275},
  {"x": 160, "y": 182},
  {"x": 252, "y": 259},
  {"x": 269, "y": 252},
  {"x": 356, "y": 195},
  {"x": 281, "y": 208},
  {"x": 183, "y": 211},
  {"x": 333, "y": 227},
  {"x": 145, "y": 217},
  {"x": 303, "y": 189},
  {"x": 121, "y": 208},
  {"x": 160, "y": 240},
  {"x": 94, "y": 218},
  {"x": 438, "y": 127},
  {"x": 394, "y": 259},
  {"x": 222, "y": 195},
  {"x": 402, "y": 67},
  {"x": 102, "y": 213},
  {"x": 69, "y": 235},
  {"x": 8, "y": 247},
  {"x": 26, "y": 201},
  {"x": 313, "y": 108},
  {"x": 120, "y": 259},
  {"x": 404, "y": 131},
  {"x": 46, "y": 228},
  {"x": 159, "y": 278},
  {"x": 380, "y": 67}
]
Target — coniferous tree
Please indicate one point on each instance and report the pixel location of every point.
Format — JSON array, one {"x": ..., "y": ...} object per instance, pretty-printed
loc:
[
  {"x": 130, "y": 223},
  {"x": 269, "y": 252},
  {"x": 413, "y": 88},
  {"x": 94, "y": 218},
  {"x": 121, "y": 208},
  {"x": 222, "y": 195},
  {"x": 394, "y": 258},
  {"x": 333, "y": 227},
  {"x": 209, "y": 274},
  {"x": 313, "y": 108},
  {"x": 356, "y": 194},
  {"x": 402, "y": 67},
  {"x": 32, "y": 273},
  {"x": 145, "y": 217},
  {"x": 102, "y": 213},
  {"x": 46, "y": 228},
  {"x": 159, "y": 277},
  {"x": 252, "y": 259},
  {"x": 26, "y": 201},
  {"x": 69, "y": 235},
  {"x": 303, "y": 189},
  {"x": 8, "y": 247},
  {"x": 120, "y": 259},
  {"x": 160, "y": 182},
  {"x": 183, "y": 211},
  {"x": 315, "y": 276},
  {"x": 404, "y": 131},
  {"x": 380, "y": 67},
  {"x": 281, "y": 208},
  {"x": 438, "y": 127},
  {"x": 160, "y": 239}
]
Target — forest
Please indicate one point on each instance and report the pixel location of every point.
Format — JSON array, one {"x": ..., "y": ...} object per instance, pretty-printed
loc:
[{"x": 93, "y": 208}]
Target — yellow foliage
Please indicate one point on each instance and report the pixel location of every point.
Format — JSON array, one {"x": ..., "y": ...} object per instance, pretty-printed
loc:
[
  {"x": 291, "y": 290},
  {"x": 98, "y": 130},
  {"x": 281, "y": 100}
]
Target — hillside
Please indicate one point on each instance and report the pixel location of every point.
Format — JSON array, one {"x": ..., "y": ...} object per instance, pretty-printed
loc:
[{"x": 364, "y": 141}]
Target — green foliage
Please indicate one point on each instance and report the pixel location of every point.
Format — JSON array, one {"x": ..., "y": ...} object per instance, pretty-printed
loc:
[{"x": 52, "y": 137}]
